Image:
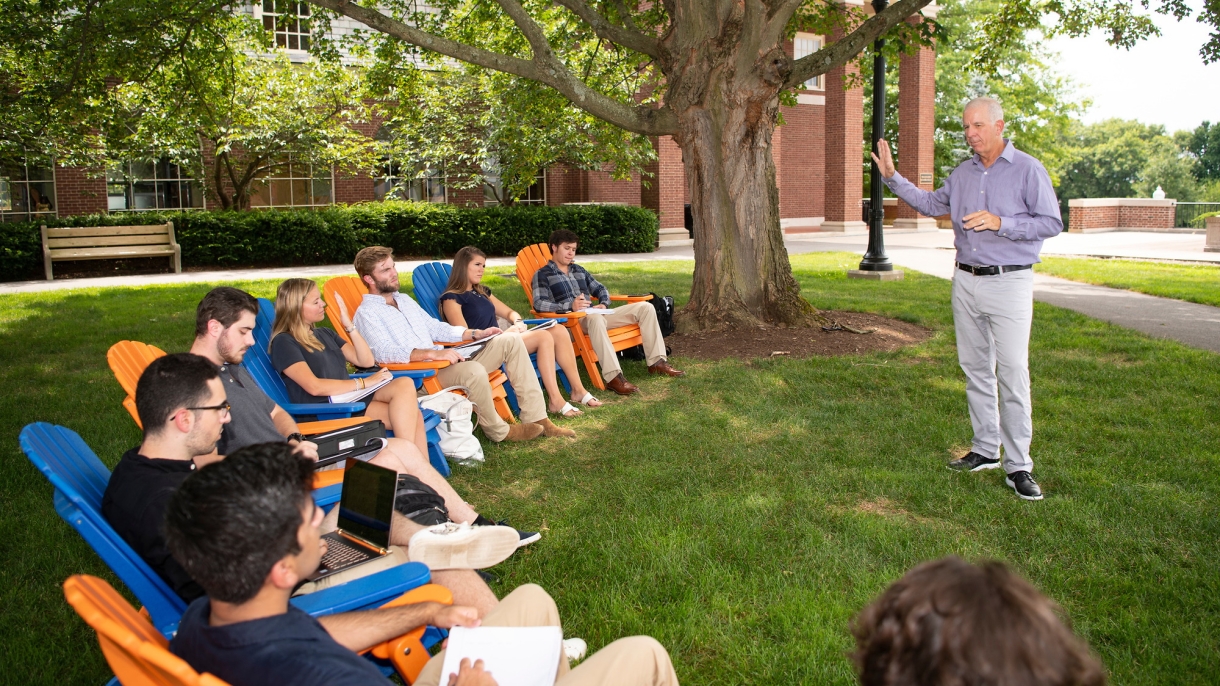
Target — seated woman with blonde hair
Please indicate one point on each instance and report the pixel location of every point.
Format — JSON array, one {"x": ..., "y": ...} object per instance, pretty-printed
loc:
[
  {"x": 313, "y": 362},
  {"x": 467, "y": 302}
]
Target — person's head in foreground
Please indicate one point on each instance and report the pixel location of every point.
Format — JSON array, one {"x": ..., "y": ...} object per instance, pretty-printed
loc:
[
  {"x": 951, "y": 623},
  {"x": 467, "y": 274},
  {"x": 563, "y": 245},
  {"x": 298, "y": 307},
  {"x": 180, "y": 399},
  {"x": 375, "y": 266}
]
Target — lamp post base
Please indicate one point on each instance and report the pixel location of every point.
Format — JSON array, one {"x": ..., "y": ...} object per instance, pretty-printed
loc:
[{"x": 895, "y": 275}]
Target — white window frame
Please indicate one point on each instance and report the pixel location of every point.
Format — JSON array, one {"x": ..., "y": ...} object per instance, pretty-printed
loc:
[
  {"x": 493, "y": 180},
  {"x": 126, "y": 178},
  {"x": 292, "y": 177},
  {"x": 263, "y": 15},
  {"x": 421, "y": 188},
  {"x": 12, "y": 186},
  {"x": 803, "y": 45}
]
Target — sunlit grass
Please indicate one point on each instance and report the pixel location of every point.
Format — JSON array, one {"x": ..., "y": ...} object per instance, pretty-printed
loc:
[{"x": 1199, "y": 283}]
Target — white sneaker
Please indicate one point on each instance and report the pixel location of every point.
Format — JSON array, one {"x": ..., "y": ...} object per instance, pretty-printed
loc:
[
  {"x": 461, "y": 546},
  {"x": 575, "y": 649}
]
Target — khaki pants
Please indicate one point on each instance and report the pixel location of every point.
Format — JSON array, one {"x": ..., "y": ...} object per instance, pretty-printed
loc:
[
  {"x": 634, "y": 661},
  {"x": 642, "y": 313},
  {"x": 509, "y": 350}
]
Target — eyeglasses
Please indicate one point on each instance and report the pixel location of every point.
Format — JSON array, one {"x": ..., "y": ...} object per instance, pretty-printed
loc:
[{"x": 222, "y": 408}]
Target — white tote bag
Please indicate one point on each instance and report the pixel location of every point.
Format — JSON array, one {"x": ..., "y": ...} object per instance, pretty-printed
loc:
[{"x": 457, "y": 425}]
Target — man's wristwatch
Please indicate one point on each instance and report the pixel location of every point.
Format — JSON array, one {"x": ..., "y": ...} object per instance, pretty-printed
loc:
[{"x": 298, "y": 437}]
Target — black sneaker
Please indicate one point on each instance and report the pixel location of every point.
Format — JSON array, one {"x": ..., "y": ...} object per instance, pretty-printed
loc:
[
  {"x": 1024, "y": 485},
  {"x": 973, "y": 462},
  {"x": 527, "y": 537}
]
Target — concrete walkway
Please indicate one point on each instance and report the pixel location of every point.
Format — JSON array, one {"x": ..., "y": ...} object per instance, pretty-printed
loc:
[{"x": 929, "y": 252}]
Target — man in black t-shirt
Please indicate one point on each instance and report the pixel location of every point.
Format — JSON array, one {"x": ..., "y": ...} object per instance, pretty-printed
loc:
[{"x": 183, "y": 409}]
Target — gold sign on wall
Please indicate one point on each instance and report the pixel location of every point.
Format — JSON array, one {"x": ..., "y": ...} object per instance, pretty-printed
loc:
[{"x": 925, "y": 177}]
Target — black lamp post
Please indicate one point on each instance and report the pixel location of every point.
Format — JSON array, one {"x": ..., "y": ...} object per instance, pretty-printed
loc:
[{"x": 875, "y": 260}]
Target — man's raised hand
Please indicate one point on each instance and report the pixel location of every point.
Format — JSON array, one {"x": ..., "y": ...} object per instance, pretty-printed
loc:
[
  {"x": 886, "y": 161},
  {"x": 449, "y": 616}
]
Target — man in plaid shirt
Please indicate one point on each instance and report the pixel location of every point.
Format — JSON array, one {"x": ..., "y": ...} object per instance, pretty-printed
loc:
[{"x": 564, "y": 286}]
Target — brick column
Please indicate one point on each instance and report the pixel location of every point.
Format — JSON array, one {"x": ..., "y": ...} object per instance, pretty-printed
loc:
[
  {"x": 667, "y": 195},
  {"x": 916, "y": 127},
  {"x": 844, "y": 148}
]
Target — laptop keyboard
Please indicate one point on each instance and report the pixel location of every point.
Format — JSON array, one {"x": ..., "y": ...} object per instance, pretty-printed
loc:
[{"x": 339, "y": 554}]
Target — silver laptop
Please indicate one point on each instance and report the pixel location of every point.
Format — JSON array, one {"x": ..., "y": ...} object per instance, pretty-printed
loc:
[{"x": 365, "y": 512}]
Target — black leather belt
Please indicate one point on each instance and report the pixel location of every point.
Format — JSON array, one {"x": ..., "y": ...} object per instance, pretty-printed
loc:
[{"x": 992, "y": 271}]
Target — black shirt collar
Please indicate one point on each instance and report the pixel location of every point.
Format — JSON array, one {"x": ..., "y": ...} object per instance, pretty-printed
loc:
[{"x": 159, "y": 464}]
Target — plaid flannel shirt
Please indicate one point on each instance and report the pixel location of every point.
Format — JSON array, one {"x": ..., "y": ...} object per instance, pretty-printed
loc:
[
  {"x": 554, "y": 291},
  {"x": 393, "y": 332}
]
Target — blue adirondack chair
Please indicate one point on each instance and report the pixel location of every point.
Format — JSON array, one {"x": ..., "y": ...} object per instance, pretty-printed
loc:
[
  {"x": 79, "y": 479},
  {"x": 430, "y": 280},
  {"x": 258, "y": 363}
]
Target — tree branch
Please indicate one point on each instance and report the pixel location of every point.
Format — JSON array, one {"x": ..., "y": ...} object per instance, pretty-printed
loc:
[
  {"x": 842, "y": 50},
  {"x": 544, "y": 68},
  {"x": 627, "y": 38}
]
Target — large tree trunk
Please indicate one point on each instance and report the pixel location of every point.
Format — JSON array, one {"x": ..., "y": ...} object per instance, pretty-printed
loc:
[{"x": 725, "y": 88}]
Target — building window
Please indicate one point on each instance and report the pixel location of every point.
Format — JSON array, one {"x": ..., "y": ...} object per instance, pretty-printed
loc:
[
  {"x": 27, "y": 189},
  {"x": 803, "y": 45},
  {"x": 427, "y": 186},
  {"x": 151, "y": 185},
  {"x": 493, "y": 190},
  {"x": 293, "y": 183},
  {"x": 289, "y": 21}
]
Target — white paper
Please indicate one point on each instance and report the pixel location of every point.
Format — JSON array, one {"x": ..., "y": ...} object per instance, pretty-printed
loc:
[
  {"x": 353, "y": 396},
  {"x": 515, "y": 656},
  {"x": 597, "y": 310},
  {"x": 544, "y": 325}
]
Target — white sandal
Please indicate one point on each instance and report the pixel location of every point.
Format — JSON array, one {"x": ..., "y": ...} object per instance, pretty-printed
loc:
[
  {"x": 567, "y": 407},
  {"x": 588, "y": 399}
]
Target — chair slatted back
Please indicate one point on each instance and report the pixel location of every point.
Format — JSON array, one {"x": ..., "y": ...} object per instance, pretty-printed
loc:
[
  {"x": 530, "y": 259},
  {"x": 258, "y": 358},
  {"x": 352, "y": 290},
  {"x": 430, "y": 280},
  {"x": 79, "y": 479},
  {"x": 138, "y": 653},
  {"x": 128, "y": 360}
]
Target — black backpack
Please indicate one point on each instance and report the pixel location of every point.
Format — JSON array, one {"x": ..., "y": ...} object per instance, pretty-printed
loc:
[{"x": 664, "y": 305}]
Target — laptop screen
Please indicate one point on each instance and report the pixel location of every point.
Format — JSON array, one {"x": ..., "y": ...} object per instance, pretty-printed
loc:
[{"x": 367, "y": 502}]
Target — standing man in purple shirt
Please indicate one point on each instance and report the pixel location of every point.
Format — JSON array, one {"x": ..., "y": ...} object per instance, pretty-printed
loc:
[{"x": 1003, "y": 206}]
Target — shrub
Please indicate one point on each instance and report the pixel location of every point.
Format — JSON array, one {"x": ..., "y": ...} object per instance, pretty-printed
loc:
[{"x": 333, "y": 235}]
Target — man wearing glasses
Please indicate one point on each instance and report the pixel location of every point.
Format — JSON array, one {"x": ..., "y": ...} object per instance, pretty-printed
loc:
[{"x": 181, "y": 428}]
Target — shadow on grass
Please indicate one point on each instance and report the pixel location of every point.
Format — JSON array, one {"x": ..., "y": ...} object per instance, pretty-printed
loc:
[{"x": 741, "y": 514}]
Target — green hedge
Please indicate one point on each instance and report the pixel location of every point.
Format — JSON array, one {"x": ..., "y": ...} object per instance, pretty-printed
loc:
[{"x": 333, "y": 236}]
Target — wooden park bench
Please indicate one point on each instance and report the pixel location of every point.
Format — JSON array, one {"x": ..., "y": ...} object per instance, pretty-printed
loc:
[{"x": 110, "y": 243}]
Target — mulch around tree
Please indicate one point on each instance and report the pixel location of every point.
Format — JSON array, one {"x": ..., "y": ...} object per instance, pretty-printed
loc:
[{"x": 889, "y": 335}]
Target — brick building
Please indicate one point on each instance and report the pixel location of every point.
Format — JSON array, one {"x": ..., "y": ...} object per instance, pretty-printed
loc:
[{"x": 818, "y": 155}]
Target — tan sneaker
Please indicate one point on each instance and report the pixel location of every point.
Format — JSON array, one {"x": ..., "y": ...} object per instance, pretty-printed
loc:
[
  {"x": 524, "y": 432},
  {"x": 461, "y": 546},
  {"x": 549, "y": 428}
]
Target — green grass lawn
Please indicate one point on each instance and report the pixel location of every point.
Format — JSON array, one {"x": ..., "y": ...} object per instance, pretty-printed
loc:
[
  {"x": 742, "y": 514},
  {"x": 1197, "y": 283}
]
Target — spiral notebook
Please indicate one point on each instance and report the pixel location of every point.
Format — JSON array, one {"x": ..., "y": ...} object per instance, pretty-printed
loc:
[{"x": 515, "y": 656}]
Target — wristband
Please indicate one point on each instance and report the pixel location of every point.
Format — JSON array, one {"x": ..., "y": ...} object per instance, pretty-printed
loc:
[{"x": 298, "y": 437}]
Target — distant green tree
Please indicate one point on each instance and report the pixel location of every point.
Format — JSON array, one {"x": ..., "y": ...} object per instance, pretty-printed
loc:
[
  {"x": 1204, "y": 144},
  {"x": 1118, "y": 158},
  {"x": 1039, "y": 104}
]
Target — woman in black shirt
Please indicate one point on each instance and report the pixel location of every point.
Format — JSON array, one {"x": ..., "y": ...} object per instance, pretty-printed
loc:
[
  {"x": 313, "y": 362},
  {"x": 467, "y": 302}
]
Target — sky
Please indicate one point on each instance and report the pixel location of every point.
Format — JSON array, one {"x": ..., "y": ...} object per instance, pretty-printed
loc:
[{"x": 1161, "y": 80}]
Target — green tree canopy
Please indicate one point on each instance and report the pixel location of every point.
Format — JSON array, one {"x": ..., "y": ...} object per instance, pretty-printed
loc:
[{"x": 1118, "y": 158}]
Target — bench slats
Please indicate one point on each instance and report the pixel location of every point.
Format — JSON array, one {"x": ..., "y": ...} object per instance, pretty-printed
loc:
[
  {"x": 86, "y": 231},
  {"x": 111, "y": 253},
  {"x": 100, "y": 241}
]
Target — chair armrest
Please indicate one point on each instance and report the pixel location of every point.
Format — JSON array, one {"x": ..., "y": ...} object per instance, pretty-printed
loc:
[
  {"x": 323, "y": 408},
  {"x": 416, "y": 366},
  {"x": 409, "y": 373},
  {"x": 365, "y": 593},
  {"x": 567, "y": 317},
  {"x": 327, "y": 495},
  {"x": 630, "y": 298},
  {"x": 561, "y": 320}
]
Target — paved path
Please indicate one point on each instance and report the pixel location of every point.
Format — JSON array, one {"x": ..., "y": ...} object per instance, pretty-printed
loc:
[{"x": 929, "y": 252}]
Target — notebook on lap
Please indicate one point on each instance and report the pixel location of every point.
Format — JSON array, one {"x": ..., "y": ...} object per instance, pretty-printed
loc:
[{"x": 365, "y": 511}]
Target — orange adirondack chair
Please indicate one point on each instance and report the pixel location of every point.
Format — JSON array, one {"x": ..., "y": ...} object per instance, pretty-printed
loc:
[
  {"x": 353, "y": 290},
  {"x": 129, "y": 359},
  {"x": 532, "y": 258},
  {"x": 139, "y": 654}
]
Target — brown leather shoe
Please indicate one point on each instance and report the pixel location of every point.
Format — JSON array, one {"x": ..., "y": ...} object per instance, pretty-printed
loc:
[
  {"x": 549, "y": 429},
  {"x": 524, "y": 432},
  {"x": 621, "y": 385},
  {"x": 663, "y": 367}
]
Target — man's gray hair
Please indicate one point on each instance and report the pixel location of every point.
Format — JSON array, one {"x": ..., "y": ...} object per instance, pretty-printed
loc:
[{"x": 995, "y": 112}]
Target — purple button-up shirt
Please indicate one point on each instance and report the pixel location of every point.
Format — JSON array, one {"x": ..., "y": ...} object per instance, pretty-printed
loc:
[{"x": 1016, "y": 188}]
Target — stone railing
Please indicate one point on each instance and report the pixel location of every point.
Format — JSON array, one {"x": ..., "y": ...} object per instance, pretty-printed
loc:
[{"x": 1095, "y": 215}]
